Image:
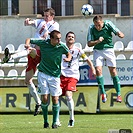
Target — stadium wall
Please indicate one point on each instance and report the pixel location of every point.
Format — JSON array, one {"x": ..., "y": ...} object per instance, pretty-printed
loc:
[{"x": 12, "y": 29}]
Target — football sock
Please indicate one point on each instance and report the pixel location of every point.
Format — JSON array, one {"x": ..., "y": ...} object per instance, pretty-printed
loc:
[
  {"x": 70, "y": 104},
  {"x": 58, "y": 116},
  {"x": 117, "y": 85},
  {"x": 21, "y": 54},
  {"x": 33, "y": 92},
  {"x": 45, "y": 112},
  {"x": 100, "y": 82},
  {"x": 55, "y": 109}
]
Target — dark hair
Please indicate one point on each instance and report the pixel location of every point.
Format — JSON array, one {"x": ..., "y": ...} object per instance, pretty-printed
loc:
[
  {"x": 70, "y": 32},
  {"x": 50, "y": 10},
  {"x": 97, "y": 18},
  {"x": 53, "y": 32}
]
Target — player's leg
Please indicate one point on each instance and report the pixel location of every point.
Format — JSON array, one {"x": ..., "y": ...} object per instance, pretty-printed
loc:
[
  {"x": 32, "y": 90},
  {"x": 30, "y": 71},
  {"x": 100, "y": 81},
  {"x": 55, "y": 91},
  {"x": 98, "y": 63},
  {"x": 70, "y": 104},
  {"x": 44, "y": 106},
  {"x": 55, "y": 108},
  {"x": 111, "y": 63},
  {"x": 70, "y": 88},
  {"x": 17, "y": 55},
  {"x": 116, "y": 83},
  {"x": 31, "y": 86},
  {"x": 58, "y": 117},
  {"x": 44, "y": 91}
]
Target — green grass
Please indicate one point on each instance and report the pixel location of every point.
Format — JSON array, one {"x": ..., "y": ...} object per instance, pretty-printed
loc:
[{"x": 86, "y": 123}]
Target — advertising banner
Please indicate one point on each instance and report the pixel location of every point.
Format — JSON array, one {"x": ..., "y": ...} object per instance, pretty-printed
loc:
[
  {"x": 15, "y": 99},
  {"x": 18, "y": 100},
  {"x": 124, "y": 69},
  {"x": 112, "y": 106},
  {"x": 86, "y": 99}
]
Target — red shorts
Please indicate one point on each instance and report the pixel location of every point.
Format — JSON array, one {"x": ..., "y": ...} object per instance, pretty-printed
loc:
[
  {"x": 68, "y": 84},
  {"x": 32, "y": 62}
]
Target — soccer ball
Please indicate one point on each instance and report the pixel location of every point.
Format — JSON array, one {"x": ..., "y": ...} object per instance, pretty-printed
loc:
[{"x": 87, "y": 10}]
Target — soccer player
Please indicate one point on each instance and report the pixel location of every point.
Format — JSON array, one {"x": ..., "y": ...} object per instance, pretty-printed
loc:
[
  {"x": 49, "y": 72},
  {"x": 100, "y": 36},
  {"x": 70, "y": 73},
  {"x": 43, "y": 28}
]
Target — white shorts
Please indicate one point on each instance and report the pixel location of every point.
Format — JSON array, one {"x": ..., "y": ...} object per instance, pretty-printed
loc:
[
  {"x": 104, "y": 57},
  {"x": 48, "y": 84}
]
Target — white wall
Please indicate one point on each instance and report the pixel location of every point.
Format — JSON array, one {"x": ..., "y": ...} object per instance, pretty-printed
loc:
[{"x": 12, "y": 29}]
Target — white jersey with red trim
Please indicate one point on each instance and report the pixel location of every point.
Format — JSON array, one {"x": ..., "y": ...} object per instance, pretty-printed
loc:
[
  {"x": 42, "y": 27},
  {"x": 71, "y": 69}
]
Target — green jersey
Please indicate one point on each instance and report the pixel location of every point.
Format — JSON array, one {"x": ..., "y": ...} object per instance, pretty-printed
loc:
[
  {"x": 51, "y": 56},
  {"x": 106, "y": 33}
]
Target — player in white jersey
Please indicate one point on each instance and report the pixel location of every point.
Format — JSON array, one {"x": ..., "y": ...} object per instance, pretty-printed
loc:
[
  {"x": 70, "y": 73},
  {"x": 43, "y": 28}
]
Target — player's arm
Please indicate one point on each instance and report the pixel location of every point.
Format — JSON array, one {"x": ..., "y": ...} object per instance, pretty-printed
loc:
[
  {"x": 27, "y": 43},
  {"x": 115, "y": 30},
  {"x": 89, "y": 62},
  {"x": 93, "y": 43},
  {"x": 90, "y": 38},
  {"x": 68, "y": 57}
]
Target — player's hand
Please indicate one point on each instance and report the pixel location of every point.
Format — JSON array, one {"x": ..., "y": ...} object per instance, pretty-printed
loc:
[
  {"x": 101, "y": 39},
  {"x": 120, "y": 34},
  {"x": 67, "y": 59},
  {"x": 26, "y": 22},
  {"x": 27, "y": 46}
]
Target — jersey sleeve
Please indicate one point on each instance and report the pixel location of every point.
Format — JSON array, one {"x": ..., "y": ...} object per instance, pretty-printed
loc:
[
  {"x": 90, "y": 35},
  {"x": 55, "y": 26},
  {"x": 37, "y": 41},
  {"x": 37, "y": 23},
  {"x": 112, "y": 27}
]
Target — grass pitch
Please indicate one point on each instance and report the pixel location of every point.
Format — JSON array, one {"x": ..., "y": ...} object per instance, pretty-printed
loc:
[{"x": 84, "y": 123}]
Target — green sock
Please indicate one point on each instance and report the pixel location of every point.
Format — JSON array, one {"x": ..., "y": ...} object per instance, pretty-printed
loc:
[
  {"x": 56, "y": 109},
  {"x": 100, "y": 82},
  {"x": 45, "y": 112},
  {"x": 58, "y": 116},
  {"x": 117, "y": 85}
]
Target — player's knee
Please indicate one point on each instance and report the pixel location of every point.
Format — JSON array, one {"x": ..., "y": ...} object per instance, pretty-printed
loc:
[
  {"x": 68, "y": 98},
  {"x": 98, "y": 72},
  {"x": 28, "y": 82}
]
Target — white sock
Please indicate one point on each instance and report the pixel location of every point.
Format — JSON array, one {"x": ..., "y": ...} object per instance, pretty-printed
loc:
[
  {"x": 19, "y": 54},
  {"x": 70, "y": 104},
  {"x": 33, "y": 92}
]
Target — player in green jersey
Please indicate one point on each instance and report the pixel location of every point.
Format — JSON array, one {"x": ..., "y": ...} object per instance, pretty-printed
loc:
[
  {"x": 49, "y": 72},
  {"x": 100, "y": 36}
]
